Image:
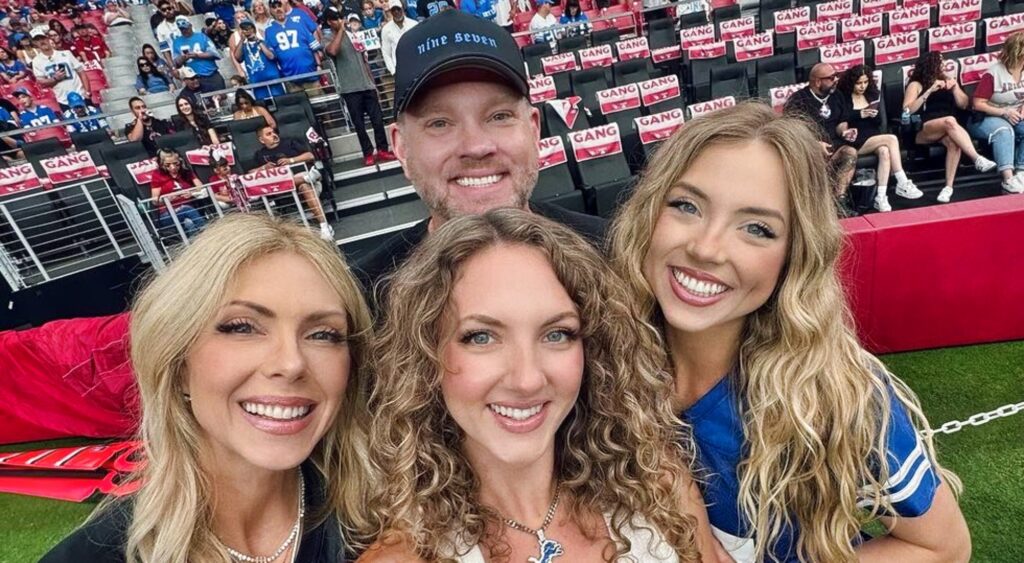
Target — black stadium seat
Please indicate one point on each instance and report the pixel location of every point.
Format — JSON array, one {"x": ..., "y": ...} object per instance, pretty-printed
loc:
[
  {"x": 557, "y": 126},
  {"x": 532, "y": 54},
  {"x": 661, "y": 33},
  {"x": 573, "y": 43},
  {"x": 42, "y": 149},
  {"x": 633, "y": 70},
  {"x": 774, "y": 71},
  {"x": 766, "y": 12},
  {"x": 586, "y": 84},
  {"x": 700, "y": 74},
  {"x": 117, "y": 157},
  {"x": 94, "y": 142},
  {"x": 1013, "y": 6},
  {"x": 726, "y": 13},
  {"x": 243, "y": 135},
  {"x": 181, "y": 141},
  {"x": 608, "y": 36},
  {"x": 730, "y": 81},
  {"x": 693, "y": 19}
]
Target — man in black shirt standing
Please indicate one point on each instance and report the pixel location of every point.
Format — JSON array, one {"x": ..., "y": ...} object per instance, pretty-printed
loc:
[
  {"x": 819, "y": 102},
  {"x": 465, "y": 132},
  {"x": 289, "y": 152}
]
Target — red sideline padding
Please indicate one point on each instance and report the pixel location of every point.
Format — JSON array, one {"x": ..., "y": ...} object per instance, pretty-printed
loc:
[
  {"x": 67, "y": 378},
  {"x": 943, "y": 275}
]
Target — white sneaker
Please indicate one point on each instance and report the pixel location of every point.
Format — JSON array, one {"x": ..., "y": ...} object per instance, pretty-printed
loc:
[
  {"x": 1014, "y": 185},
  {"x": 945, "y": 194},
  {"x": 983, "y": 164},
  {"x": 882, "y": 203},
  {"x": 908, "y": 190},
  {"x": 327, "y": 232}
]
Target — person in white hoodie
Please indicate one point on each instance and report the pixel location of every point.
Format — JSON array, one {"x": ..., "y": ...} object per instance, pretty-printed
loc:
[
  {"x": 543, "y": 20},
  {"x": 393, "y": 31}
]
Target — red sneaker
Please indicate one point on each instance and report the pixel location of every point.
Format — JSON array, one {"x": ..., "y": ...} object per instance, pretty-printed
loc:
[
  {"x": 368, "y": 161},
  {"x": 385, "y": 156}
]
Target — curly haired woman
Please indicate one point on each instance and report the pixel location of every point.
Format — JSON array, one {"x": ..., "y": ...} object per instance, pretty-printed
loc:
[
  {"x": 519, "y": 408},
  {"x": 730, "y": 248}
]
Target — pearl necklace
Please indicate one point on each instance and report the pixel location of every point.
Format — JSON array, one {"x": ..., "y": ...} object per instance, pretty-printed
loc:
[{"x": 292, "y": 536}]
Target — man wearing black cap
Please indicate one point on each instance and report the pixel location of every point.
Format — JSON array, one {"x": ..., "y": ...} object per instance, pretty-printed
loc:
[{"x": 465, "y": 132}]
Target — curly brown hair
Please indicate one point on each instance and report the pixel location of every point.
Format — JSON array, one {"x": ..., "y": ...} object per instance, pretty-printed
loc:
[{"x": 620, "y": 451}]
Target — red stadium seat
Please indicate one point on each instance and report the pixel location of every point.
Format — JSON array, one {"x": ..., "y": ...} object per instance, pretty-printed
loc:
[{"x": 58, "y": 133}]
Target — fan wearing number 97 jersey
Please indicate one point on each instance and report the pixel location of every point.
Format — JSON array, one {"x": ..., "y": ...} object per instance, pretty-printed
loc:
[{"x": 294, "y": 48}]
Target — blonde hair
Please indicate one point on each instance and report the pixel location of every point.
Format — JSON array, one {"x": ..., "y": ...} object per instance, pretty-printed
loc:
[
  {"x": 814, "y": 404},
  {"x": 618, "y": 451},
  {"x": 1012, "y": 51},
  {"x": 172, "y": 519}
]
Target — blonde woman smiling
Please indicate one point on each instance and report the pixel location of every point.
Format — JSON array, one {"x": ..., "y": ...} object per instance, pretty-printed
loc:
[
  {"x": 249, "y": 357},
  {"x": 519, "y": 412},
  {"x": 730, "y": 243}
]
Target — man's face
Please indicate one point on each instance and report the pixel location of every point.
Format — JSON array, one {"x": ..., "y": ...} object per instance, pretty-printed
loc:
[
  {"x": 397, "y": 14},
  {"x": 79, "y": 111},
  {"x": 468, "y": 147},
  {"x": 823, "y": 79},
  {"x": 278, "y": 10},
  {"x": 544, "y": 9},
  {"x": 167, "y": 12},
  {"x": 25, "y": 100},
  {"x": 192, "y": 83},
  {"x": 138, "y": 108},
  {"x": 42, "y": 43},
  {"x": 268, "y": 137},
  {"x": 248, "y": 32}
]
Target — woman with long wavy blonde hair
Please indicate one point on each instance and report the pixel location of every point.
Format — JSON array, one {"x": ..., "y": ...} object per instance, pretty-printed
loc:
[
  {"x": 730, "y": 244},
  {"x": 518, "y": 407},
  {"x": 249, "y": 354}
]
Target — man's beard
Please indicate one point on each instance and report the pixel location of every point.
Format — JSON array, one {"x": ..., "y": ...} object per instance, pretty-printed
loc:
[{"x": 439, "y": 201}]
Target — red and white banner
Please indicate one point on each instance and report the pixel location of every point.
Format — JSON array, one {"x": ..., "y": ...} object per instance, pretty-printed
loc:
[
  {"x": 663, "y": 54},
  {"x": 861, "y": 27},
  {"x": 562, "y": 62},
  {"x": 596, "y": 56},
  {"x": 897, "y": 48},
  {"x": 754, "y": 46},
  {"x": 69, "y": 167},
  {"x": 843, "y": 55},
  {"x": 636, "y": 48},
  {"x": 699, "y": 35},
  {"x": 788, "y": 20},
  {"x": 814, "y": 35},
  {"x": 568, "y": 109},
  {"x": 542, "y": 89},
  {"x": 268, "y": 181},
  {"x": 972, "y": 67},
  {"x": 834, "y": 11},
  {"x": 142, "y": 171},
  {"x": 739, "y": 27},
  {"x": 711, "y": 106},
  {"x": 18, "y": 178},
  {"x": 620, "y": 98},
  {"x": 998, "y": 29},
  {"x": 659, "y": 126},
  {"x": 910, "y": 19},
  {"x": 959, "y": 11},
  {"x": 596, "y": 142},
  {"x": 952, "y": 37},
  {"x": 915, "y": 3},
  {"x": 201, "y": 156},
  {"x": 658, "y": 90},
  {"x": 780, "y": 95},
  {"x": 868, "y": 7},
  {"x": 551, "y": 152},
  {"x": 706, "y": 51}
]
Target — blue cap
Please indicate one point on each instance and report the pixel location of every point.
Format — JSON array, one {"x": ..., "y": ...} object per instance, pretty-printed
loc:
[
  {"x": 542, "y": 2},
  {"x": 76, "y": 100},
  {"x": 22, "y": 91},
  {"x": 182, "y": 22}
]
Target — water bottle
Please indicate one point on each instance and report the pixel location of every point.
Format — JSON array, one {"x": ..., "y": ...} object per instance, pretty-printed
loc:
[{"x": 905, "y": 117}]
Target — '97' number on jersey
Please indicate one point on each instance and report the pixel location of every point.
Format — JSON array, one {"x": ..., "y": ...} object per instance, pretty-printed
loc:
[{"x": 287, "y": 39}]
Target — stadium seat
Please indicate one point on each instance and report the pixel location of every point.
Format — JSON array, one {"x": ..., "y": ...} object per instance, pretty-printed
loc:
[
  {"x": 725, "y": 13},
  {"x": 774, "y": 71},
  {"x": 693, "y": 19},
  {"x": 117, "y": 158},
  {"x": 805, "y": 60},
  {"x": 766, "y": 12},
  {"x": 1013, "y": 6},
  {"x": 555, "y": 185},
  {"x": 635, "y": 70},
  {"x": 604, "y": 37},
  {"x": 292, "y": 123},
  {"x": 243, "y": 135},
  {"x": 730, "y": 80},
  {"x": 573, "y": 43},
  {"x": 532, "y": 54},
  {"x": 700, "y": 75},
  {"x": 785, "y": 43},
  {"x": 586, "y": 84},
  {"x": 181, "y": 141},
  {"x": 991, "y": 9},
  {"x": 297, "y": 99},
  {"x": 661, "y": 33},
  {"x": 42, "y": 149},
  {"x": 557, "y": 126},
  {"x": 94, "y": 142}
]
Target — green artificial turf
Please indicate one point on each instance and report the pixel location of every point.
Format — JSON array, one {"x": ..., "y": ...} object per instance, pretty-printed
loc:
[{"x": 953, "y": 383}]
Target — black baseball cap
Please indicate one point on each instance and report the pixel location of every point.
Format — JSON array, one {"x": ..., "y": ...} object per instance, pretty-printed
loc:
[{"x": 452, "y": 40}]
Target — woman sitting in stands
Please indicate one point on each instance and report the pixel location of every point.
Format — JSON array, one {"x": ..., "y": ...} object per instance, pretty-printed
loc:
[
  {"x": 523, "y": 416},
  {"x": 860, "y": 126},
  {"x": 246, "y": 107},
  {"x": 196, "y": 121},
  {"x": 1000, "y": 122},
  {"x": 11, "y": 69},
  {"x": 938, "y": 98},
  {"x": 151, "y": 80},
  {"x": 171, "y": 177},
  {"x": 115, "y": 15},
  {"x": 805, "y": 434},
  {"x": 26, "y": 52},
  {"x": 158, "y": 62},
  {"x": 572, "y": 14},
  {"x": 252, "y": 406}
]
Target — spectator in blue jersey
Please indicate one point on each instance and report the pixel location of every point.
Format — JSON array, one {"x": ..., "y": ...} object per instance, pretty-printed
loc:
[
  {"x": 807, "y": 436},
  {"x": 573, "y": 14},
  {"x": 225, "y": 10},
  {"x": 151, "y": 80},
  {"x": 11, "y": 69},
  {"x": 258, "y": 60},
  {"x": 32, "y": 115},
  {"x": 427, "y": 8},
  {"x": 293, "y": 45},
  {"x": 372, "y": 17},
  {"x": 480, "y": 8},
  {"x": 10, "y": 147},
  {"x": 194, "y": 50},
  {"x": 301, "y": 15},
  {"x": 79, "y": 110}
]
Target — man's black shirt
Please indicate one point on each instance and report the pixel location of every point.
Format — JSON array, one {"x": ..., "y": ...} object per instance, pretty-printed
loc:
[
  {"x": 150, "y": 132},
  {"x": 286, "y": 148},
  {"x": 826, "y": 115}
]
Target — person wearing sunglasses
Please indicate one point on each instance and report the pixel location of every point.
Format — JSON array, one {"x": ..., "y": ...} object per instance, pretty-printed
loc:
[{"x": 150, "y": 79}]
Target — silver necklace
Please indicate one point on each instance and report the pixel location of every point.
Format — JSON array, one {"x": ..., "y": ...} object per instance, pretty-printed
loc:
[
  {"x": 549, "y": 548},
  {"x": 292, "y": 536}
]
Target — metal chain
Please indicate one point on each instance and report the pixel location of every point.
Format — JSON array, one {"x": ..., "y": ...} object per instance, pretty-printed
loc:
[{"x": 978, "y": 419}]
